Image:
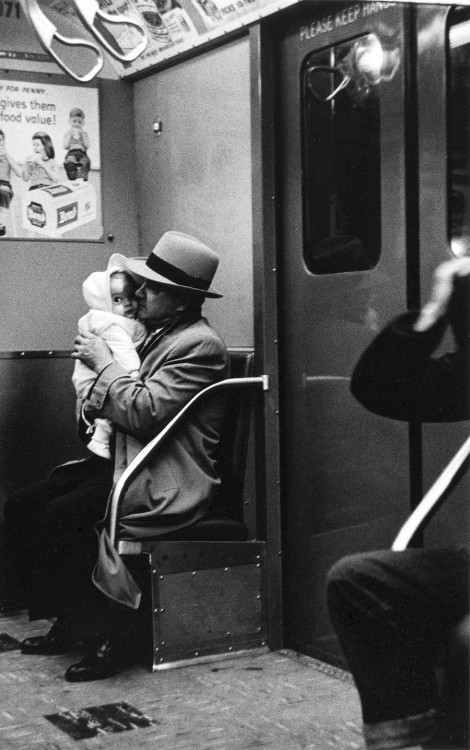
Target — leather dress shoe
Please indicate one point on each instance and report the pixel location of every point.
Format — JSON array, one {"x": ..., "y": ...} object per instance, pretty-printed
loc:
[
  {"x": 51, "y": 644},
  {"x": 105, "y": 660}
]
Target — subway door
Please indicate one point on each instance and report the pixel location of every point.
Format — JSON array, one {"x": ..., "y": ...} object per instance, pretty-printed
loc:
[
  {"x": 341, "y": 167},
  {"x": 443, "y": 68}
]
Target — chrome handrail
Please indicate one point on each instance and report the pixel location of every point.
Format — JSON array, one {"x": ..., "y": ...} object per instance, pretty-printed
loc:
[
  {"x": 432, "y": 497},
  {"x": 148, "y": 450}
]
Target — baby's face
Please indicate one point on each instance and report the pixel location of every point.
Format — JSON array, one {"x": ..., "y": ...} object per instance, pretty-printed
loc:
[{"x": 124, "y": 301}]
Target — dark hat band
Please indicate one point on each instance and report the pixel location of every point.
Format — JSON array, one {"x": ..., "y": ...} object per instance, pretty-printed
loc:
[{"x": 174, "y": 274}]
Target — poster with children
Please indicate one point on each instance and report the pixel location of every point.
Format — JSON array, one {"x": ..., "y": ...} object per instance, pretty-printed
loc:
[{"x": 50, "y": 166}]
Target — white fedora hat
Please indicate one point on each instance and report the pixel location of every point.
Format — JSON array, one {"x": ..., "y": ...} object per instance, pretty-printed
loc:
[{"x": 179, "y": 260}]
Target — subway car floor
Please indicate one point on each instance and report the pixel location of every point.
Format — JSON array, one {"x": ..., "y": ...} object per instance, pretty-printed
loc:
[{"x": 273, "y": 700}]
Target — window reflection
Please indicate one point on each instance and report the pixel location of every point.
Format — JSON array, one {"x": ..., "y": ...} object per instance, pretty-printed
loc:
[{"x": 341, "y": 166}]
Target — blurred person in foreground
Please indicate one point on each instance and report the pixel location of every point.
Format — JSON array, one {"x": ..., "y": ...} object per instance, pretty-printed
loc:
[{"x": 395, "y": 611}]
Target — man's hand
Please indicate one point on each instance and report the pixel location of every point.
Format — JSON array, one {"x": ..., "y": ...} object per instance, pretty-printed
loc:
[
  {"x": 93, "y": 351},
  {"x": 443, "y": 287}
]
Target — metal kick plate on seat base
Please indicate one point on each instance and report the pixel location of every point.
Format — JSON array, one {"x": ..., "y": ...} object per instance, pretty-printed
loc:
[
  {"x": 204, "y": 611},
  {"x": 210, "y": 658},
  {"x": 177, "y": 557}
]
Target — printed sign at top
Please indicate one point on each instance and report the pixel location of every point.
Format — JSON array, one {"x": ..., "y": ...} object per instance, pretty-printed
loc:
[{"x": 341, "y": 18}]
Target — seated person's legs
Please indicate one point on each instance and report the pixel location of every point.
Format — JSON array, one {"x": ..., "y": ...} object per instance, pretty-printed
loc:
[
  {"x": 68, "y": 546},
  {"x": 70, "y": 166},
  {"x": 52, "y": 539},
  {"x": 83, "y": 166},
  {"x": 456, "y": 700},
  {"x": 22, "y": 513},
  {"x": 121, "y": 643},
  {"x": 392, "y": 611}
]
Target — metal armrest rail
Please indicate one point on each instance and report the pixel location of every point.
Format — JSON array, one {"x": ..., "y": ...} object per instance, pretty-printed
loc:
[
  {"x": 146, "y": 452},
  {"x": 432, "y": 497}
]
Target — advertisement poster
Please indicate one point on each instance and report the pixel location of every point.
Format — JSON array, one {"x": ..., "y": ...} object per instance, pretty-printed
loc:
[{"x": 50, "y": 167}]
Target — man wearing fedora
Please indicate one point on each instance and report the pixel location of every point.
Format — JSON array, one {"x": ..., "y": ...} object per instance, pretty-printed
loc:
[{"x": 181, "y": 355}]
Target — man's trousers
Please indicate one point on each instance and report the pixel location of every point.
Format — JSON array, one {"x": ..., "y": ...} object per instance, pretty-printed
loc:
[
  {"x": 394, "y": 613},
  {"x": 52, "y": 544}
]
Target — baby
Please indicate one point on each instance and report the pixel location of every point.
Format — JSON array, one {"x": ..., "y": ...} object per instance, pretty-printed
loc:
[{"x": 111, "y": 296}]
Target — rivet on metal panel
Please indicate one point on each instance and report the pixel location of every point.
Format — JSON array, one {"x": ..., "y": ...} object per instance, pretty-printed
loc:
[
  {"x": 154, "y": 570},
  {"x": 274, "y": 270},
  {"x": 263, "y": 643},
  {"x": 193, "y": 573},
  {"x": 161, "y": 578},
  {"x": 23, "y": 353},
  {"x": 162, "y": 656},
  {"x": 196, "y": 653},
  {"x": 258, "y": 565},
  {"x": 259, "y": 630},
  {"x": 162, "y": 643},
  {"x": 156, "y": 610},
  {"x": 226, "y": 570},
  {"x": 228, "y": 633},
  {"x": 230, "y": 648},
  {"x": 162, "y": 609},
  {"x": 157, "y": 649},
  {"x": 258, "y": 596}
]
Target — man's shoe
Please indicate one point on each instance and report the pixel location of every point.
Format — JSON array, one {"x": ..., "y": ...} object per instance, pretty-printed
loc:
[
  {"x": 105, "y": 660},
  {"x": 50, "y": 645}
]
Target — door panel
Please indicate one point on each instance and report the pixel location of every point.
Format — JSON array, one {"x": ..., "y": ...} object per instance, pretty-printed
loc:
[{"x": 343, "y": 265}]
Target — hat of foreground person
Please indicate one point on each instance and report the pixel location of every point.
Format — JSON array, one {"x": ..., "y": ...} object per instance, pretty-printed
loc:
[{"x": 181, "y": 261}]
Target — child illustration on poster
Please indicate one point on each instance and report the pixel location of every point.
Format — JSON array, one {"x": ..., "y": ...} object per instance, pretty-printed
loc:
[
  {"x": 7, "y": 166},
  {"x": 50, "y": 164}
]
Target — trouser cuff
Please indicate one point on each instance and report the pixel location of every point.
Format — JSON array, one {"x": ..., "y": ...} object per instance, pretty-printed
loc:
[{"x": 406, "y": 732}]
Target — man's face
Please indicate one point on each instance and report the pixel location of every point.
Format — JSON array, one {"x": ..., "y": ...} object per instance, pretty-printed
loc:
[{"x": 157, "y": 304}]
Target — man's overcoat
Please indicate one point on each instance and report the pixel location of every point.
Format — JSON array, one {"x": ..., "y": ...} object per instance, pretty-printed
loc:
[{"x": 175, "y": 488}]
